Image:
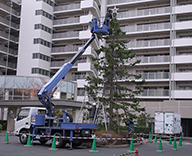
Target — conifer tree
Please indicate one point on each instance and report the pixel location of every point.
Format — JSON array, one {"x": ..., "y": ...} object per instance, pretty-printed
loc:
[{"x": 115, "y": 86}]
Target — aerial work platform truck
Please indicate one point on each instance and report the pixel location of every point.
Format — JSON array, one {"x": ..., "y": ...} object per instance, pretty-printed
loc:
[{"x": 39, "y": 121}]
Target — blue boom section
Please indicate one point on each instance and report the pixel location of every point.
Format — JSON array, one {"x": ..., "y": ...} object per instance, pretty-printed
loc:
[{"x": 43, "y": 94}]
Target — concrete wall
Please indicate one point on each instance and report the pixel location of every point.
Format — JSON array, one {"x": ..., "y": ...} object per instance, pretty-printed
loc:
[{"x": 182, "y": 107}]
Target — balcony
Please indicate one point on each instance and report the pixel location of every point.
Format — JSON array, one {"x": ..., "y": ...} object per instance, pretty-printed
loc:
[
  {"x": 8, "y": 9},
  {"x": 78, "y": 77},
  {"x": 10, "y": 65},
  {"x": 182, "y": 76},
  {"x": 57, "y": 63},
  {"x": 70, "y": 20},
  {"x": 145, "y": 12},
  {"x": 155, "y": 93},
  {"x": 6, "y": 36},
  {"x": 149, "y": 43},
  {"x": 90, "y": 51},
  {"x": 183, "y": 25},
  {"x": 110, "y": 2},
  {"x": 182, "y": 42},
  {"x": 155, "y": 75},
  {"x": 66, "y": 8},
  {"x": 92, "y": 5},
  {"x": 154, "y": 59},
  {"x": 87, "y": 67},
  {"x": 66, "y": 35},
  {"x": 182, "y": 94},
  {"x": 183, "y": 9},
  {"x": 6, "y": 22},
  {"x": 65, "y": 49},
  {"x": 5, "y": 50},
  {"x": 182, "y": 59},
  {"x": 146, "y": 27}
]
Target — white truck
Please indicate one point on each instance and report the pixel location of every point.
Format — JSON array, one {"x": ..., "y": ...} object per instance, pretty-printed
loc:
[{"x": 168, "y": 123}]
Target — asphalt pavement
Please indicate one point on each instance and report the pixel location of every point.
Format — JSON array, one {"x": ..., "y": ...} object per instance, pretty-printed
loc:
[{"x": 15, "y": 148}]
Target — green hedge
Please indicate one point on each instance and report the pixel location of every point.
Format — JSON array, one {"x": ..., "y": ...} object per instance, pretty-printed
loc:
[
  {"x": 1, "y": 127},
  {"x": 4, "y": 124},
  {"x": 142, "y": 129}
]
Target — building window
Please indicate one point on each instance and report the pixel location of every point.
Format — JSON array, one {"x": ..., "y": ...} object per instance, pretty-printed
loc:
[
  {"x": 43, "y": 27},
  {"x": 48, "y": 2},
  {"x": 44, "y": 13},
  {"x": 41, "y": 56},
  {"x": 41, "y": 41},
  {"x": 40, "y": 71}
]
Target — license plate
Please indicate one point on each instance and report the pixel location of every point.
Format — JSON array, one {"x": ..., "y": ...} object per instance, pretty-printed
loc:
[{"x": 37, "y": 137}]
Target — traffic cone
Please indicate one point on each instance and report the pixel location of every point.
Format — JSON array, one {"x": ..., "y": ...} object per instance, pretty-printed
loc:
[
  {"x": 180, "y": 143},
  {"x": 93, "y": 149},
  {"x": 150, "y": 136},
  {"x": 155, "y": 140},
  {"x": 136, "y": 152},
  {"x": 170, "y": 141},
  {"x": 131, "y": 149},
  {"x": 28, "y": 141},
  {"x": 53, "y": 146},
  {"x": 160, "y": 149},
  {"x": 6, "y": 141},
  {"x": 174, "y": 145}
]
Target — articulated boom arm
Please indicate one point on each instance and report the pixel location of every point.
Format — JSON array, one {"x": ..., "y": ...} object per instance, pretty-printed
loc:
[{"x": 43, "y": 94}]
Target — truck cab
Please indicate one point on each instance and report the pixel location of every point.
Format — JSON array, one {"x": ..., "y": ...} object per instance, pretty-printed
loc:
[{"x": 25, "y": 120}]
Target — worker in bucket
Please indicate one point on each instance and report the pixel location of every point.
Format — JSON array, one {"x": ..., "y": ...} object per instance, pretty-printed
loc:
[
  {"x": 108, "y": 17},
  {"x": 92, "y": 112}
]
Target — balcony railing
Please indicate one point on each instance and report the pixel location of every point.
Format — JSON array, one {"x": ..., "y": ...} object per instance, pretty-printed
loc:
[
  {"x": 150, "y": 43},
  {"x": 78, "y": 77},
  {"x": 153, "y": 92},
  {"x": 67, "y": 7},
  {"x": 155, "y": 75},
  {"x": 64, "y": 49},
  {"x": 7, "y": 8},
  {"x": 66, "y": 34},
  {"x": 67, "y": 21},
  {"x": 57, "y": 63},
  {"x": 3, "y": 34},
  {"x": 80, "y": 61},
  {"x": 154, "y": 59},
  {"x": 143, "y": 12},
  {"x": 11, "y": 65},
  {"x": 146, "y": 27},
  {"x": 121, "y": 1},
  {"x": 5, "y": 21},
  {"x": 11, "y": 51}
]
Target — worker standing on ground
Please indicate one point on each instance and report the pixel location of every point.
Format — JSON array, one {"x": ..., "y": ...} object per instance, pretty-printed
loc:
[
  {"x": 130, "y": 127},
  {"x": 108, "y": 17},
  {"x": 92, "y": 112}
]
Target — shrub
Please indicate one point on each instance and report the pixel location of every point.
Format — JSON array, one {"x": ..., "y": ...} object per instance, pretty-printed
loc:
[{"x": 1, "y": 127}]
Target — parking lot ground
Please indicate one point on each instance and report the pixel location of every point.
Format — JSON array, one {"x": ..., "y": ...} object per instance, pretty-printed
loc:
[{"x": 148, "y": 149}]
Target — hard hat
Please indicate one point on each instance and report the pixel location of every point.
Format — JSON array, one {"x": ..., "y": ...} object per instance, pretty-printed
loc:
[
  {"x": 94, "y": 104},
  {"x": 110, "y": 10}
]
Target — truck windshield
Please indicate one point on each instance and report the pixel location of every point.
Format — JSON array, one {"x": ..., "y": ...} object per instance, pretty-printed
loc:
[{"x": 23, "y": 114}]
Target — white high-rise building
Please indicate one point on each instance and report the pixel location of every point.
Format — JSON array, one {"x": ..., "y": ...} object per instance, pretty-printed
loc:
[{"x": 38, "y": 36}]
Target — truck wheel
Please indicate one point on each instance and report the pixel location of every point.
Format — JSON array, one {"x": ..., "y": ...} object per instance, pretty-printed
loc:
[
  {"x": 23, "y": 137},
  {"x": 59, "y": 141}
]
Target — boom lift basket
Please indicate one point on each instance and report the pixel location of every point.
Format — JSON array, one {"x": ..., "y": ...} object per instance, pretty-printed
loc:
[{"x": 99, "y": 27}]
